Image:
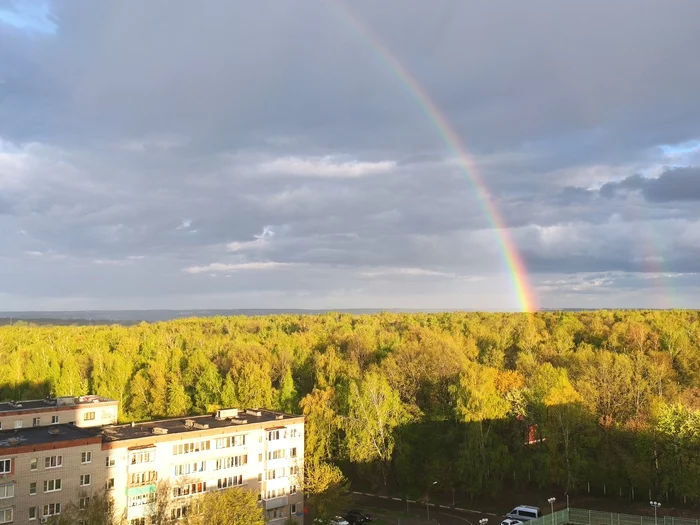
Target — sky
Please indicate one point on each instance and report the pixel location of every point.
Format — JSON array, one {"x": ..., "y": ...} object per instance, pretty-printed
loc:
[{"x": 173, "y": 154}]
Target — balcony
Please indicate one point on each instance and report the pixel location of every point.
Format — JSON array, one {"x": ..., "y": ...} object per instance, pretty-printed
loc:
[{"x": 275, "y": 503}]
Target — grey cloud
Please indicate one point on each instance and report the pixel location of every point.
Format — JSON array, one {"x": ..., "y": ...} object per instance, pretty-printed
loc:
[
  {"x": 135, "y": 118},
  {"x": 678, "y": 184}
]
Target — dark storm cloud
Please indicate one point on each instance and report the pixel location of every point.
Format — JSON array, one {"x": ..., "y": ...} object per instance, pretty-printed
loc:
[
  {"x": 678, "y": 184},
  {"x": 142, "y": 140}
]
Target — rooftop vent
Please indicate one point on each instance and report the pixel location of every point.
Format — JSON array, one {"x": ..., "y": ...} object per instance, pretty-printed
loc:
[
  {"x": 201, "y": 426},
  {"x": 226, "y": 413},
  {"x": 15, "y": 404},
  {"x": 279, "y": 416},
  {"x": 13, "y": 441},
  {"x": 54, "y": 431},
  {"x": 65, "y": 400},
  {"x": 189, "y": 423},
  {"x": 252, "y": 412},
  {"x": 160, "y": 431},
  {"x": 238, "y": 421}
]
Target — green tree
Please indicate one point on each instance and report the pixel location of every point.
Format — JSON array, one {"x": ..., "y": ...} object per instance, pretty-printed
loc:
[
  {"x": 94, "y": 509},
  {"x": 375, "y": 410},
  {"x": 234, "y": 506},
  {"x": 325, "y": 488},
  {"x": 286, "y": 398},
  {"x": 322, "y": 423}
]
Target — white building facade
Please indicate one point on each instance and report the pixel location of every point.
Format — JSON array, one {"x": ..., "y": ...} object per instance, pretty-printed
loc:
[{"x": 154, "y": 467}]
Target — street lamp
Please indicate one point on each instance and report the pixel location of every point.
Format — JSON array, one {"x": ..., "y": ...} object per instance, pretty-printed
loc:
[
  {"x": 427, "y": 500},
  {"x": 656, "y": 505},
  {"x": 551, "y": 502}
]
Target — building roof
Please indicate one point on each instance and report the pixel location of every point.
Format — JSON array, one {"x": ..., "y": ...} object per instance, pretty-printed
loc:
[
  {"x": 23, "y": 437},
  {"x": 33, "y": 405},
  {"x": 244, "y": 419}
]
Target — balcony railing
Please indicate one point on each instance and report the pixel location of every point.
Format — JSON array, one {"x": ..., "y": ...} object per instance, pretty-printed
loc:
[{"x": 275, "y": 503}]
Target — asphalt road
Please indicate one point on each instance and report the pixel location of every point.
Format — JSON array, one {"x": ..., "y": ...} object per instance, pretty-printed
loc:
[{"x": 419, "y": 514}]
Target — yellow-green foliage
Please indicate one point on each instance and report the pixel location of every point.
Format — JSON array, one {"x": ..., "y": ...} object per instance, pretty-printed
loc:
[{"x": 400, "y": 396}]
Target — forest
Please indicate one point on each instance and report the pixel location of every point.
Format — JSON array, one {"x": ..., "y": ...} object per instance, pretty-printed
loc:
[{"x": 481, "y": 402}]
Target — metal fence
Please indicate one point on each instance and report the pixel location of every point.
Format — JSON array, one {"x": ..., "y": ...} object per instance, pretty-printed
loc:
[{"x": 595, "y": 517}]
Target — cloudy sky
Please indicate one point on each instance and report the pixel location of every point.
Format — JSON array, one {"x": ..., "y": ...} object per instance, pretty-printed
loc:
[{"x": 173, "y": 154}]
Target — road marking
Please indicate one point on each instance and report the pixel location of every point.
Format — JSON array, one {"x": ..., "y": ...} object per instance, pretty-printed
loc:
[
  {"x": 475, "y": 511},
  {"x": 458, "y": 517}
]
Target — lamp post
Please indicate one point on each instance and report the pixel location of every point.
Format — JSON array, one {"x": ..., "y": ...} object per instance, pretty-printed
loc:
[
  {"x": 551, "y": 502},
  {"x": 656, "y": 505},
  {"x": 427, "y": 500}
]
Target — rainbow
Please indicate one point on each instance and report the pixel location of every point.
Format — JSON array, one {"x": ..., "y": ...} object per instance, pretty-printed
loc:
[{"x": 516, "y": 268}]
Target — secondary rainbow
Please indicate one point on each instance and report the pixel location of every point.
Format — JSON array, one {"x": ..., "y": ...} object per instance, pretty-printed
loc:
[{"x": 516, "y": 267}]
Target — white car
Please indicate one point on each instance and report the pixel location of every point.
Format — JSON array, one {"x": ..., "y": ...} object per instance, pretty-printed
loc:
[
  {"x": 511, "y": 521},
  {"x": 334, "y": 521}
]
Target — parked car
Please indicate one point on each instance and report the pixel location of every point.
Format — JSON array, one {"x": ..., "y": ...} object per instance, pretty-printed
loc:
[
  {"x": 357, "y": 516},
  {"x": 524, "y": 513},
  {"x": 337, "y": 520},
  {"x": 511, "y": 521}
]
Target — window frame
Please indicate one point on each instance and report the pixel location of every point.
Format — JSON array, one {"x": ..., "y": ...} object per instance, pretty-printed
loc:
[
  {"x": 7, "y": 487},
  {"x": 59, "y": 462},
  {"x": 57, "y": 485}
]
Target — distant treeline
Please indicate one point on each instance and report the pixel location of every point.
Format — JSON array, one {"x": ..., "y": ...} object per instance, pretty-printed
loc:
[{"x": 478, "y": 402}]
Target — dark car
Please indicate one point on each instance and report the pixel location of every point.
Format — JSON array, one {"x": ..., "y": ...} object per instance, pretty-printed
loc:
[{"x": 357, "y": 516}]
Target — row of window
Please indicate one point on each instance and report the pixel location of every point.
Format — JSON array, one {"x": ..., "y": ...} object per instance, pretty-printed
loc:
[
  {"x": 281, "y": 453},
  {"x": 143, "y": 478},
  {"x": 277, "y": 493},
  {"x": 52, "y": 509},
  {"x": 141, "y": 499},
  {"x": 274, "y": 435},
  {"x": 36, "y": 422},
  {"x": 55, "y": 485},
  {"x": 230, "y": 441},
  {"x": 231, "y": 462},
  {"x": 189, "y": 489},
  {"x": 189, "y": 468},
  {"x": 192, "y": 446},
  {"x": 55, "y": 419},
  {"x": 49, "y": 462},
  {"x": 231, "y": 481},
  {"x": 144, "y": 456}
]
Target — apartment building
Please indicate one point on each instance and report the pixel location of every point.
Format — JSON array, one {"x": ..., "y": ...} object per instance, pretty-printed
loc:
[
  {"x": 43, "y": 469},
  {"x": 259, "y": 450},
  {"x": 83, "y": 411},
  {"x": 155, "y": 465}
]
